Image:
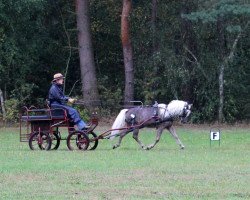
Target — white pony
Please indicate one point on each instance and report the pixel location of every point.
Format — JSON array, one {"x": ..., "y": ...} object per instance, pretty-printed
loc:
[{"x": 161, "y": 116}]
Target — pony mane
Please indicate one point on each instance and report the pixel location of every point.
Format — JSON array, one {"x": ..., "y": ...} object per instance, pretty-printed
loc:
[{"x": 175, "y": 107}]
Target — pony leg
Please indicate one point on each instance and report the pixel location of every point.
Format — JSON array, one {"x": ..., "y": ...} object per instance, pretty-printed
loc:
[
  {"x": 174, "y": 134},
  {"x": 158, "y": 137},
  {"x": 122, "y": 134},
  {"x": 135, "y": 136}
]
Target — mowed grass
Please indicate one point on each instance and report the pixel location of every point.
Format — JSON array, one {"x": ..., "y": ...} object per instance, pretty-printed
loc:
[{"x": 165, "y": 172}]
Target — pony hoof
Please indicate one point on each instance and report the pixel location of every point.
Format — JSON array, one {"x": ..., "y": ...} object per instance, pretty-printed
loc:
[
  {"x": 147, "y": 148},
  {"x": 114, "y": 146},
  {"x": 182, "y": 147}
]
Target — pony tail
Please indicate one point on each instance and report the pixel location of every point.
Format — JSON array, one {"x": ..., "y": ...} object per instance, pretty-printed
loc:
[{"x": 118, "y": 123}]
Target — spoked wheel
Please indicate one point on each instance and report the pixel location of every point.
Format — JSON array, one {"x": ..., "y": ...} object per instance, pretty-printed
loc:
[
  {"x": 92, "y": 144},
  {"x": 77, "y": 140},
  {"x": 40, "y": 141},
  {"x": 55, "y": 139}
]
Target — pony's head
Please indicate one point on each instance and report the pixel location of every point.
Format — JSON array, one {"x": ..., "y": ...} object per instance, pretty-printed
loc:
[
  {"x": 182, "y": 109},
  {"x": 186, "y": 113}
]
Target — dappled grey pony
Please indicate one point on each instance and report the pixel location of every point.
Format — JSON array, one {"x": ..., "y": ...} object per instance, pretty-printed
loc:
[{"x": 160, "y": 115}]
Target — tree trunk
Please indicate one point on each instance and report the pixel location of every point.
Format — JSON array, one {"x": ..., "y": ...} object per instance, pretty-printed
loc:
[
  {"x": 127, "y": 51},
  {"x": 225, "y": 61},
  {"x": 88, "y": 71},
  {"x": 221, "y": 93},
  {"x": 2, "y": 105},
  {"x": 221, "y": 47}
]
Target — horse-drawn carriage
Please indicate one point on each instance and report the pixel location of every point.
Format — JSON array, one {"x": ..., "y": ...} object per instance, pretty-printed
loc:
[
  {"x": 43, "y": 130},
  {"x": 43, "y": 126}
]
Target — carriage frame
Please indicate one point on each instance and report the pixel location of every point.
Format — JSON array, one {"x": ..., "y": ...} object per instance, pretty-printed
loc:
[{"x": 42, "y": 129}]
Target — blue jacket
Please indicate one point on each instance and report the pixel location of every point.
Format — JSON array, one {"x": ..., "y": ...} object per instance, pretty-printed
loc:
[{"x": 56, "y": 95}]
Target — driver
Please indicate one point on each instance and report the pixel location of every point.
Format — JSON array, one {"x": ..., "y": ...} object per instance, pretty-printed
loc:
[{"x": 57, "y": 99}]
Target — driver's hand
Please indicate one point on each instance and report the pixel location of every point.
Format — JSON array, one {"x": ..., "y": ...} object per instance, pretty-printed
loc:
[{"x": 71, "y": 100}]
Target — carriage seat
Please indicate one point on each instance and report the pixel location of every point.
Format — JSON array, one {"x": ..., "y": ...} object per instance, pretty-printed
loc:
[
  {"x": 35, "y": 117},
  {"x": 45, "y": 114}
]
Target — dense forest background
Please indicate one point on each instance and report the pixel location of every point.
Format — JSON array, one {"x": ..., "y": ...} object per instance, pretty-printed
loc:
[{"x": 192, "y": 50}]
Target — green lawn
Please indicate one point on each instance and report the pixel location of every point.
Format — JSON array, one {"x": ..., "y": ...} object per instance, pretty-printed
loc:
[{"x": 165, "y": 172}]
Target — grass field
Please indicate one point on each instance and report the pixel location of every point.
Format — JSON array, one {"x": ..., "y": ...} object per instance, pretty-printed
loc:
[{"x": 165, "y": 172}]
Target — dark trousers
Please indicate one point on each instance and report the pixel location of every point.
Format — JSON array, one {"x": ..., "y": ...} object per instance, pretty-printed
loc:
[{"x": 73, "y": 114}]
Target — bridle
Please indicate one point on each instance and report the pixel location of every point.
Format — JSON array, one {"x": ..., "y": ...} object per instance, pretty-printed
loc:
[{"x": 185, "y": 112}]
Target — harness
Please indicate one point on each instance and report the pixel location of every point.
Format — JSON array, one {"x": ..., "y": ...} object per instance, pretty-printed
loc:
[
  {"x": 155, "y": 115},
  {"x": 132, "y": 119},
  {"x": 157, "y": 120}
]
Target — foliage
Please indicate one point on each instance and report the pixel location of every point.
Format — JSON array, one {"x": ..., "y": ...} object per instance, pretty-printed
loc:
[
  {"x": 235, "y": 15},
  {"x": 12, "y": 110},
  {"x": 175, "y": 58}
]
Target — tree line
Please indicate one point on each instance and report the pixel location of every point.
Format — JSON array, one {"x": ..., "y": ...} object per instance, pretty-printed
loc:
[{"x": 116, "y": 51}]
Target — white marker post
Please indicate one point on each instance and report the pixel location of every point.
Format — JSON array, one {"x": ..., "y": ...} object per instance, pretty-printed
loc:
[{"x": 214, "y": 135}]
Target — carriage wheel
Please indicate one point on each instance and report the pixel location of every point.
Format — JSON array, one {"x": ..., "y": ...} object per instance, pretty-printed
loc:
[
  {"x": 55, "y": 140},
  {"x": 77, "y": 140},
  {"x": 40, "y": 141},
  {"x": 93, "y": 144}
]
